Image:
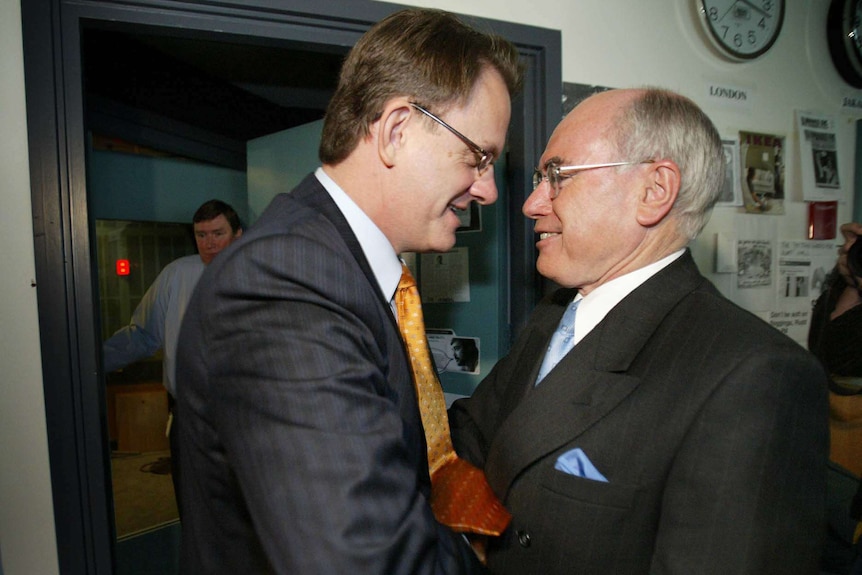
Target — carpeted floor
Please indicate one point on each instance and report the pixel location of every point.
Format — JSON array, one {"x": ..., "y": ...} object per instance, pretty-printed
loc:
[{"x": 143, "y": 492}]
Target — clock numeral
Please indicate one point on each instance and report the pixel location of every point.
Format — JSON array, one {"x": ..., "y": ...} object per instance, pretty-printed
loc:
[{"x": 746, "y": 29}]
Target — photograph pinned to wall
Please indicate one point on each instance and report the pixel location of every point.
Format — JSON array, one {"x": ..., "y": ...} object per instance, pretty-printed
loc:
[
  {"x": 454, "y": 353},
  {"x": 818, "y": 154},
  {"x": 574, "y": 94},
  {"x": 471, "y": 219},
  {"x": 754, "y": 258},
  {"x": 762, "y": 158},
  {"x": 731, "y": 190},
  {"x": 445, "y": 276}
]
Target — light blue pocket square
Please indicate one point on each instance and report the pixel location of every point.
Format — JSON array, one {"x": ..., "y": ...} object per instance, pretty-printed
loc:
[{"x": 575, "y": 462}]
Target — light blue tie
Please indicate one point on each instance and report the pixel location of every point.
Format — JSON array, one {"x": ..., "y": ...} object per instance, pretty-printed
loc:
[{"x": 561, "y": 342}]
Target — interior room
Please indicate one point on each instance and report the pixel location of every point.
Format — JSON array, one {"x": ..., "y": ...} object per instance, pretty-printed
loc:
[
  {"x": 184, "y": 108},
  {"x": 120, "y": 118}
]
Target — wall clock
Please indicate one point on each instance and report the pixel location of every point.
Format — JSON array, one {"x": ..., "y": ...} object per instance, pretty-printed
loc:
[
  {"x": 843, "y": 29},
  {"x": 742, "y": 29}
]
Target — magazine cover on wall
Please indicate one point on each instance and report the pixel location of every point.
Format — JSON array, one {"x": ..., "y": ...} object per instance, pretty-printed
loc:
[
  {"x": 762, "y": 175},
  {"x": 818, "y": 157}
]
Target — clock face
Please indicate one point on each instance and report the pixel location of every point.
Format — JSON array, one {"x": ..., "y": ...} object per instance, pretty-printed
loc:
[{"x": 743, "y": 29}]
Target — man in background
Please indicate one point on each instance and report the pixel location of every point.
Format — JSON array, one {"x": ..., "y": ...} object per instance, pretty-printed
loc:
[
  {"x": 302, "y": 438},
  {"x": 155, "y": 324},
  {"x": 642, "y": 423}
]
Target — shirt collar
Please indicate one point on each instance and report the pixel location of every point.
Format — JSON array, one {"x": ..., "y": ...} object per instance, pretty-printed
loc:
[
  {"x": 378, "y": 250},
  {"x": 599, "y": 302}
]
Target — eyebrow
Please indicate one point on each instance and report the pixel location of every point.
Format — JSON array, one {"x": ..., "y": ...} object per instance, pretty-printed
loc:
[
  {"x": 556, "y": 160},
  {"x": 493, "y": 151}
]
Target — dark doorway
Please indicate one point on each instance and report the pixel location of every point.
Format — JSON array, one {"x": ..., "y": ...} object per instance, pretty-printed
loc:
[{"x": 63, "y": 109}]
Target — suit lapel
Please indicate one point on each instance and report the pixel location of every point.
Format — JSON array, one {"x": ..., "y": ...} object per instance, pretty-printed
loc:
[
  {"x": 527, "y": 359},
  {"x": 588, "y": 383},
  {"x": 312, "y": 193}
]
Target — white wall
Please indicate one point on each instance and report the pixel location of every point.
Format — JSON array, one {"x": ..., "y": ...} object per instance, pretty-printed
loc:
[
  {"x": 27, "y": 543},
  {"x": 606, "y": 42}
]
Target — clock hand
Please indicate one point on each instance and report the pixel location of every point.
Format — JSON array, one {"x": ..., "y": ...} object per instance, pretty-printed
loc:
[
  {"x": 729, "y": 8},
  {"x": 757, "y": 8}
]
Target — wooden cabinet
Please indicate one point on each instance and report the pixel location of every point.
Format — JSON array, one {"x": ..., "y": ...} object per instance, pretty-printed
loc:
[{"x": 137, "y": 416}]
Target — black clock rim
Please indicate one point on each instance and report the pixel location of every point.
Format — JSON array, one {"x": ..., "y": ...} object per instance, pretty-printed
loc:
[
  {"x": 743, "y": 55},
  {"x": 846, "y": 58}
]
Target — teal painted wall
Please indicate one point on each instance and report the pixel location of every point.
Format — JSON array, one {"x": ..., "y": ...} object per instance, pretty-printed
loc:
[
  {"x": 124, "y": 186},
  {"x": 486, "y": 315},
  {"x": 278, "y": 162}
]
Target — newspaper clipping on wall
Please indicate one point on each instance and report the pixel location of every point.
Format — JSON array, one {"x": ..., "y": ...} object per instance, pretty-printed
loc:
[
  {"x": 818, "y": 156},
  {"x": 802, "y": 270}
]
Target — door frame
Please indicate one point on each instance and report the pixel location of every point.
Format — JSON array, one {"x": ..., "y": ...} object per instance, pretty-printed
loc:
[{"x": 67, "y": 296}]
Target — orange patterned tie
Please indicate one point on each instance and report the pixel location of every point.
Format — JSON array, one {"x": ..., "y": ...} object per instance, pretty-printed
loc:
[{"x": 460, "y": 495}]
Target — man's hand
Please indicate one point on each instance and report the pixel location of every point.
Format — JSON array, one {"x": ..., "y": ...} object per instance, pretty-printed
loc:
[{"x": 851, "y": 230}]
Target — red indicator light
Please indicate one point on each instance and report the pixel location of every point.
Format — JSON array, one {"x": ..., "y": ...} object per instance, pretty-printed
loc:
[{"x": 123, "y": 267}]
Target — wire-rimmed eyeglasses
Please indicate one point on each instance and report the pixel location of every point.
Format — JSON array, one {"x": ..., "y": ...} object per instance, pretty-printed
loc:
[
  {"x": 485, "y": 158},
  {"x": 556, "y": 174}
]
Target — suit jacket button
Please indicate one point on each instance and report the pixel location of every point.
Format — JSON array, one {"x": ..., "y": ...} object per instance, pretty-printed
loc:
[{"x": 524, "y": 538}]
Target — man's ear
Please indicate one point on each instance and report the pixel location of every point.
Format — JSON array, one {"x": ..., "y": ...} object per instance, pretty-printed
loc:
[
  {"x": 660, "y": 192},
  {"x": 391, "y": 130}
]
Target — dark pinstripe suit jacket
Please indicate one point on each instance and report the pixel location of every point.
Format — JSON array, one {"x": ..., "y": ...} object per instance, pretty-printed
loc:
[
  {"x": 710, "y": 426},
  {"x": 301, "y": 442}
]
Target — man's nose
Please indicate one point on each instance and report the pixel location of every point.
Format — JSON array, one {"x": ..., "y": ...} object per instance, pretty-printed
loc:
[
  {"x": 538, "y": 203},
  {"x": 484, "y": 189}
]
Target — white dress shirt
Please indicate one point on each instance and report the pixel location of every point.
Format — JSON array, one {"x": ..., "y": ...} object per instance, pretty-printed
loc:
[
  {"x": 377, "y": 248},
  {"x": 595, "y": 306}
]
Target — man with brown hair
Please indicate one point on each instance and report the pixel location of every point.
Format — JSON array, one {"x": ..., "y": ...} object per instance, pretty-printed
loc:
[
  {"x": 300, "y": 425},
  {"x": 155, "y": 323}
]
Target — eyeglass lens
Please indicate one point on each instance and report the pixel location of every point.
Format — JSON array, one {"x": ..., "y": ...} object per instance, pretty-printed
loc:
[
  {"x": 553, "y": 177},
  {"x": 485, "y": 158}
]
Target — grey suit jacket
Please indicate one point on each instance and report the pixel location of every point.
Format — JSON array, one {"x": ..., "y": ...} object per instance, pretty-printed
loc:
[
  {"x": 301, "y": 442},
  {"x": 710, "y": 426}
]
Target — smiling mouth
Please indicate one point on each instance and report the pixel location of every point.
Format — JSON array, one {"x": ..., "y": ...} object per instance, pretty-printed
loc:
[{"x": 546, "y": 235}]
